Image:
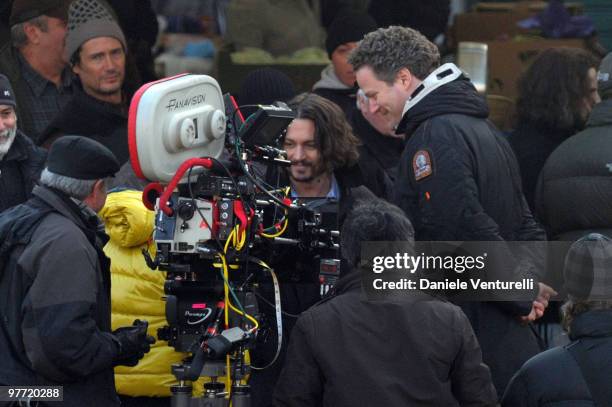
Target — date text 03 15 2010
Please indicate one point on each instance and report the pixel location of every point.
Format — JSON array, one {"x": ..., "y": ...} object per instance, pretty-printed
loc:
[{"x": 32, "y": 393}]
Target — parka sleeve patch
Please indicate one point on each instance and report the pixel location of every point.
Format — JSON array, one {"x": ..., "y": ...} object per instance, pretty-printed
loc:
[{"x": 422, "y": 166}]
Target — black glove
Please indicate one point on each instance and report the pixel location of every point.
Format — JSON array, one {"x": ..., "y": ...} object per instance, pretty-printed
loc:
[{"x": 133, "y": 343}]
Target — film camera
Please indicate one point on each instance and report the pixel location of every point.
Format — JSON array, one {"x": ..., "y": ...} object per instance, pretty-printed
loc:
[{"x": 214, "y": 218}]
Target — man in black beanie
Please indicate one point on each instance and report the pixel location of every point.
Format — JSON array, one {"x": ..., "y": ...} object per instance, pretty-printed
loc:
[
  {"x": 20, "y": 160},
  {"x": 338, "y": 79},
  {"x": 380, "y": 148},
  {"x": 265, "y": 86},
  {"x": 55, "y": 283}
]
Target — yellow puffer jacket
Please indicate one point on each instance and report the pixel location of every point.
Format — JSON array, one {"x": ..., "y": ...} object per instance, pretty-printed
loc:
[{"x": 137, "y": 292}]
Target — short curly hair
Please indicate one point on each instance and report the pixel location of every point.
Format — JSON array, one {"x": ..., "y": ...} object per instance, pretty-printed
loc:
[
  {"x": 387, "y": 50},
  {"x": 333, "y": 133}
]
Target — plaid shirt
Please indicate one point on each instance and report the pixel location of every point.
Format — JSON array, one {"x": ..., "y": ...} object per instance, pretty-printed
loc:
[{"x": 44, "y": 99}]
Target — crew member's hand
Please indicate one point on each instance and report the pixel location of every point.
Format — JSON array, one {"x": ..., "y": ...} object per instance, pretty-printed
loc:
[
  {"x": 540, "y": 304},
  {"x": 133, "y": 343}
]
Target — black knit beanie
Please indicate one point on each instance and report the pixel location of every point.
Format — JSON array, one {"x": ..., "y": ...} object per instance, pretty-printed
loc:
[
  {"x": 348, "y": 28},
  {"x": 265, "y": 86},
  {"x": 7, "y": 97}
]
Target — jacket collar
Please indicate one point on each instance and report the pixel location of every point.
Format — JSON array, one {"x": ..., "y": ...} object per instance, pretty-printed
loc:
[
  {"x": 351, "y": 281},
  {"x": 61, "y": 204},
  {"x": 18, "y": 151},
  {"x": 439, "y": 77},
  {"x": 456, "y": 97},
  {"x": 594, "y": 324},
  {"x": 329, "y": 80}
]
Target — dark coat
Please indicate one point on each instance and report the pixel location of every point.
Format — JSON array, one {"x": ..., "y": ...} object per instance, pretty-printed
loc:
[
  {"x": 575, "y": 189},
  {"x": 55, "y": 288},
  {"x": 532, "y": 145},
  {"x": 9, "y": 66},
  {"x": 92, "y": 118},
  {"x": 19, "y": 171},
  {"x": 348, "y": 351},
  {"x": 345, "y": 98},
  {"x": 379, "y": 155},
  {"x": 459, "y": 181},
  {"x": 574, "y": 192},
  {"x": 554, "y": 378}
]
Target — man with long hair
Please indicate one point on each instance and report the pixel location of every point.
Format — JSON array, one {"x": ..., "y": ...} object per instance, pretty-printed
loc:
[{"x": 325, "y": 174}]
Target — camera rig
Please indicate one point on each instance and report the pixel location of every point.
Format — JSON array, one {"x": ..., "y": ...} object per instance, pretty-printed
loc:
[{"x": 215, "y": 216}]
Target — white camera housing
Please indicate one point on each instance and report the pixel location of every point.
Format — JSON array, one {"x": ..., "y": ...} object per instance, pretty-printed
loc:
[{"x": 173, "y": 120}]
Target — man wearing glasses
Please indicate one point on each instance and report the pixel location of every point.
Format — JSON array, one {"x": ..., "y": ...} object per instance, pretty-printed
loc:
[{"x": 458, "y": 178}]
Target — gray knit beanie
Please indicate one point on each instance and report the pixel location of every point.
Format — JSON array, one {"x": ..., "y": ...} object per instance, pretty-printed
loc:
[
  {"x": 588, "y": 268},
  {"x": 88, "y": 19}
]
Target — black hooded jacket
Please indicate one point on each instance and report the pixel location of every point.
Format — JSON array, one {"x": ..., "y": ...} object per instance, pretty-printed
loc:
[
  {"x": 554, "y": 378},
  {"x": 472, "y": 190},
  {"x": 459, "y": 181}
]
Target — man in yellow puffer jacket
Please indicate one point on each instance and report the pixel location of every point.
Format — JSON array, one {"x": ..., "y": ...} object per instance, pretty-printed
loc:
[{"x": 136, "y": 293}]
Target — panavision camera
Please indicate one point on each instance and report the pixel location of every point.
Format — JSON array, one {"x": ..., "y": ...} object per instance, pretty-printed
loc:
[{"x": 215, "y": 218}]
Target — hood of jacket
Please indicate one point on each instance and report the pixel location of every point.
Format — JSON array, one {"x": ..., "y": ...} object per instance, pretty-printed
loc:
[
  {"x": 456, "y": 97},
  {"x": 329, "y": 80},
  {"x": 127, "y": 221}
]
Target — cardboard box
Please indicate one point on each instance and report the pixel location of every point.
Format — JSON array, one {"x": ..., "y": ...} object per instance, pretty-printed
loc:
[
  {"x": 574, "y": 8},
  {"x": 507, "y": 60},
  {"x": 498, "y": 21},
  {"x": 489, "y": 26}
]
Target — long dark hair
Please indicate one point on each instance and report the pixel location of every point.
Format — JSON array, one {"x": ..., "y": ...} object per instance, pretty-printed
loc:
[
  {"x": 333, "y": 133},
  {"x": 553, "y": 89}
]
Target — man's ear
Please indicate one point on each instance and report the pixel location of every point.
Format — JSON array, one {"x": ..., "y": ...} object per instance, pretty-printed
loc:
[
  {"x": 404, "y": 76},
  {"x": 32, "y": 32},
  {"x": 100, "y": 186},
  {"x": 98, "y": 189}
]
